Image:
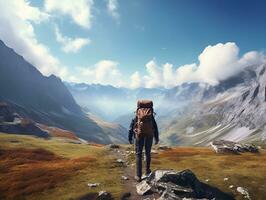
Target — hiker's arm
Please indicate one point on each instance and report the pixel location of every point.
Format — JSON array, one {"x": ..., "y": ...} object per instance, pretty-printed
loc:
[
  {"x": 131, "y": 130},
  {"x": 156, "y": 132}
]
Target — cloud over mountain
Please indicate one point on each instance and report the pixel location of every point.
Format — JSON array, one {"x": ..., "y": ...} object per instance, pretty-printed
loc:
[
  {"x": 105, "y": 72},
  {"x": 17, "y": 20},
  {"x": 216, "y": 63}
]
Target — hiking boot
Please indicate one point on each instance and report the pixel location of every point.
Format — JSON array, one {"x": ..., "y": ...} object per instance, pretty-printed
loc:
[
  {"x": 138, "y": 179},
  {"x": 148, "y": 172}
]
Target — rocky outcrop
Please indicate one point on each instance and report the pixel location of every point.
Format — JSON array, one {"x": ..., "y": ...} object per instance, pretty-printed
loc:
[
  {"x": 223, "y": 146},
  {"x": 23, "y": 128},
  {"x": 172, "y": 185}
]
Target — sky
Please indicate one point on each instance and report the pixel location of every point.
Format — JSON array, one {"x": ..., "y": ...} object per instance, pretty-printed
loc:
[{"x": 136, "y": 43}]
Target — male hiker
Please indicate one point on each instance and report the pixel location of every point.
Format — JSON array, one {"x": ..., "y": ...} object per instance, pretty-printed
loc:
[{"x": 144, "y": 128}]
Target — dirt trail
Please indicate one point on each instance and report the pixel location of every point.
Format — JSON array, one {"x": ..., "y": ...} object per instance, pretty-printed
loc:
[{"x": 130, "y": 184}]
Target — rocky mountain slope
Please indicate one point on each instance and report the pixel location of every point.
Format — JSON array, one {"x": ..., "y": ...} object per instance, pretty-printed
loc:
[
  {"x": 233, "y": 110},
  {"x": 45, "y": 100}
]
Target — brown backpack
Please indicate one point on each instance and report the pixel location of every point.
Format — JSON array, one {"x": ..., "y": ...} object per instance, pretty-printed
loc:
[{"x": 144, "y": 119}]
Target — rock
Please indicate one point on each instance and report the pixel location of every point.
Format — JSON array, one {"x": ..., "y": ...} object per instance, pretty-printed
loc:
[
  {"x": 103, "y": 195},
  {"x": 93, "y": 184},
  {"x": 223, "y": 146},
  {"x": 143, "y": 187},
  {"x": 172, "y": 185},
  {"x": 124, "y": 178},
  {"x": 163, "y": 147},
  {"x": 154, "y": 151},
  {"x": 244, "y": 192},
  {"x": 231, "y": 186},
  {"x": 207, "y": 180},
  {"x": 120, "y": 161},
  {"x": 226, "y": 179},
  {"x": 113, "y": 146}
]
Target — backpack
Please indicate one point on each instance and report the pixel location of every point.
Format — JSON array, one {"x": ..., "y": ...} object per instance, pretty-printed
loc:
[{"x": 144, "y": 119}]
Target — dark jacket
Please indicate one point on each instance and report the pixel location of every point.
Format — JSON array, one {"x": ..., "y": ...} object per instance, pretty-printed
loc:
[{"x": 131, "y": 129}]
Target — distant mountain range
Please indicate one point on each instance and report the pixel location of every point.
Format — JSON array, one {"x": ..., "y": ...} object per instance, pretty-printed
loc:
[
  {"x": 188, "y": 114},
  {"x": 191, "y": 113},
  {"x": 47, "y": 100},
  {"x": 111, "y": 102}
]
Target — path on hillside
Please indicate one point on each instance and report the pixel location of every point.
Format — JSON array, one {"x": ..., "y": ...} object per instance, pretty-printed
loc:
[{"x": 129, "y": 171}]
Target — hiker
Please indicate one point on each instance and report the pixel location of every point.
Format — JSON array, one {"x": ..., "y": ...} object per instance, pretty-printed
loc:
[{"x": 144, "y": 128}]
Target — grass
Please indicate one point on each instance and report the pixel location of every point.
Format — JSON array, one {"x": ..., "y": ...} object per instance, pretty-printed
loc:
[
  {"x": 34, "y": 168},
  {"x": 245, "y": 170}
]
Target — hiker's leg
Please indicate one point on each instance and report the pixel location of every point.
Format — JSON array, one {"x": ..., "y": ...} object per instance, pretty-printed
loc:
[
  {"x": 139, "y": 148},
  {"x": 148, "y": 145}
]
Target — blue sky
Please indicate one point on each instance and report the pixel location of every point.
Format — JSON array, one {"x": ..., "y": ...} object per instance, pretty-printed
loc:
[{"x": 130, "y": 35}]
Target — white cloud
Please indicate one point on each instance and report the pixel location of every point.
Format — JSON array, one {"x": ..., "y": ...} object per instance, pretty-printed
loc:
[
  {"x": 17, "y": 31},
  {"x": 154, "y": 77},
  {"x": 104, "y": 72},
  {"x": 135, "y": 80},
  {"x": 168, "y": 75},
  {"x": 112, "y": 6},
  {"x": 79, "y": 10},
  {"x": 216, "y": 63},
  {"x": 70, "y": 44}
]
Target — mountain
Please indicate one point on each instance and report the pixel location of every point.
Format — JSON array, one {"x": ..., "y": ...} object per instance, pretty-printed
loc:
[
  {"x": 232, "y": 110},
  {"x": 190, "y": 113},
  {"x": 45, "y": 100},
  {"x": 110, "y": 102}
]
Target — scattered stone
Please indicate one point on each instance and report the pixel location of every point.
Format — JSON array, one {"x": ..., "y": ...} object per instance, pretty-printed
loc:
[
  {"x": 223, "y": 146},
  {"x": 143, "y": 187},
  {"x": 113, "y": 146},
  {"x": 93, "y": 184},
  {"x": 154, "y": 151},
  {"x": 244, "y": 192},
  {"x": 124, "y": 178},
  {"x": 231, "y": 186},
  {"x": 172, "y": 185},
  {"x": 120, "y": 161},
  {"x": 163, "y": 147},
  {"x": 226, "y": 179},
  {"x": 103, "y": 195},
  {"x": 207, "y": 180}
]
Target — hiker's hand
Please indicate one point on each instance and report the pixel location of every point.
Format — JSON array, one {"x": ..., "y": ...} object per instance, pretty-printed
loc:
[
  {"x": 156, "y": 142},
  {"x": 130, "y": 141}
]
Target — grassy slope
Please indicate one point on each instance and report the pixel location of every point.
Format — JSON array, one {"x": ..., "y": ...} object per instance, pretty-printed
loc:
[
  {"x": 246, "y": 170},
  {"x": 69, "y": 167},
  {"x": 72, "y": 166}
]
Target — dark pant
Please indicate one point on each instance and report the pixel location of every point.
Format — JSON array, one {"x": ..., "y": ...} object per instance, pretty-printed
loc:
[{"x": 140, "y": 143}]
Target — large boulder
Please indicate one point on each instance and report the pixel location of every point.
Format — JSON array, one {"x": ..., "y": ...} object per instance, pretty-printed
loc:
[
  {"x": 172, "y": 185},
  {"x": 223, "y": 146}
]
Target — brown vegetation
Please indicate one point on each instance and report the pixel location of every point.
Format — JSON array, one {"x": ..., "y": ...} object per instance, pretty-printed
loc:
[
  {"x": 57, "y": 132},
  {"x": 247, "y": 170},
  {"x": 27, "y": 171}
]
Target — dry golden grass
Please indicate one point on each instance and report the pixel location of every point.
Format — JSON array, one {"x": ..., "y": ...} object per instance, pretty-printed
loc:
[
  {"x": 40, "y": 169},
  {"x": 27, "y": 171},
  {"x": 246, "y": 170}
]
